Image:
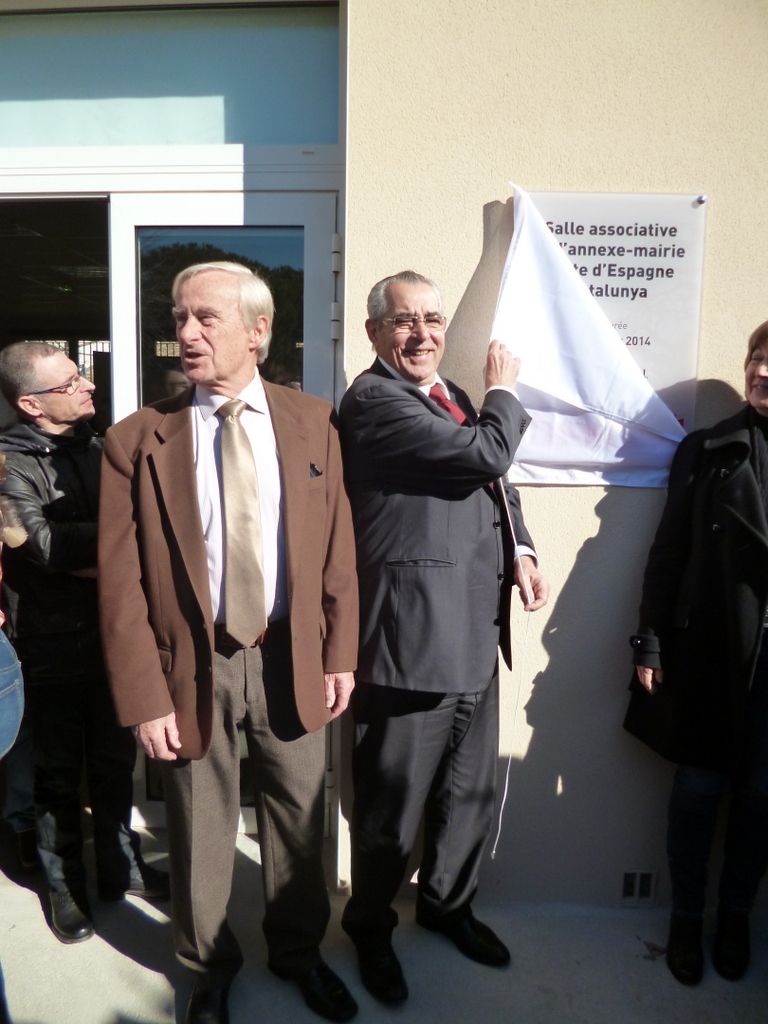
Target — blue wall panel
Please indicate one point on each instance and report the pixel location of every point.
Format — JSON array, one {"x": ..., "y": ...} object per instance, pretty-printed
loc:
[{"x": 187, "y": 77}]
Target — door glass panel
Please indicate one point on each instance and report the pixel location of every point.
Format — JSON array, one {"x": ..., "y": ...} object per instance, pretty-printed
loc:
[{"x": 275, "y": 253}]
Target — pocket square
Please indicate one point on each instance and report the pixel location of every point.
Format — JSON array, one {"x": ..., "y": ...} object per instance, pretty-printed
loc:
[{"x": 314, "y": 471}]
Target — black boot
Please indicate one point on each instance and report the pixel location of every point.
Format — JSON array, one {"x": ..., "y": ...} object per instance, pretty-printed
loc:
[
  {"x": 685, "y": 956},
  {"x": 730, "y": 957},
  {"x": 71, "y": 917},
  {"x": 144, "y": 880}
]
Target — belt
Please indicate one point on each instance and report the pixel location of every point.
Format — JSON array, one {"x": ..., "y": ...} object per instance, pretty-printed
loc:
[{"x": 222, "y": 638}]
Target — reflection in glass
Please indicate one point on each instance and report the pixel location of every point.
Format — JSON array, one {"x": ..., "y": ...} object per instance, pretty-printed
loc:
[{"x": 275, "y": 253}]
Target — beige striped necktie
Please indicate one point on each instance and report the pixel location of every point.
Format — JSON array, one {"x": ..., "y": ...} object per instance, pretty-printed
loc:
[{"x": 244, "y": 558}]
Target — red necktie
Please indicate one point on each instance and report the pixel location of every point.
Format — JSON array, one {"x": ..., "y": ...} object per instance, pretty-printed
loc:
[{"x": 437, "y": 395}]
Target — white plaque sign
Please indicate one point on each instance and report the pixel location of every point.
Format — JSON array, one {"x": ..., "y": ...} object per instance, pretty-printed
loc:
[{"x": 641, "y": 256}]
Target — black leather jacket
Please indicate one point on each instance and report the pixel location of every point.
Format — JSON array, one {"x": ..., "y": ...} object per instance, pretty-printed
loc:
[{"x": 54, "y": 482}]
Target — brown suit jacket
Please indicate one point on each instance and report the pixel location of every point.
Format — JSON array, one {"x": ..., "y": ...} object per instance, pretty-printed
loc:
[{"x": 155, "y": 607}]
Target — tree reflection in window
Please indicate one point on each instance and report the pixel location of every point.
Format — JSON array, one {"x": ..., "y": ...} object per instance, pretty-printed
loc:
[{"x": 159, "y": 264}]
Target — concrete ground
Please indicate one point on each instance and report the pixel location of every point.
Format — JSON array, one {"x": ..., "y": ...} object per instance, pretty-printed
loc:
[{"x": 571, "y": 964}]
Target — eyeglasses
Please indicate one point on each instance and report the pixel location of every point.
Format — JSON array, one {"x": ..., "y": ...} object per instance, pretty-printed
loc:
[
  {"x": 63, "y": 389},
  {"x": 404, "y": 322}
]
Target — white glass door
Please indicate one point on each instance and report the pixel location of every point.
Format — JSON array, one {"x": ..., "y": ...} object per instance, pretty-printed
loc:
[{"x": 287, "y": 237}]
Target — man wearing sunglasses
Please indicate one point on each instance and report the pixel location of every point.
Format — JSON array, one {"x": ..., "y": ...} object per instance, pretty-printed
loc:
[
  {"x": 433, "y": 546},
  {"x": 49, "y": 597}
]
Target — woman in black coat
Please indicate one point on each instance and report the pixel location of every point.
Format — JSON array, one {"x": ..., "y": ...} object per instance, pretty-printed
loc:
[{"x": 700, "y": 698}]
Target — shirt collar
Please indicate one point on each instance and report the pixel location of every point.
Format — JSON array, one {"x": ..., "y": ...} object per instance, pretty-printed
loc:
[
  {"x": 424, "y": 388},
  {"x": 252, "y": 394}
]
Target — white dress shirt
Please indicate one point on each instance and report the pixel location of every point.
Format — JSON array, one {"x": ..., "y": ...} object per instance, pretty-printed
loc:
[{"x": 257, "y": 424}]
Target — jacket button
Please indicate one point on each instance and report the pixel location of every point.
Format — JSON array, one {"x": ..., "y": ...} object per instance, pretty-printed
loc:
[
  {"x": 724, "y": 472},
  {"x": 501, "y": 575},
  {"x": 496, "y": 525},
  {"x": 716, "y": 527}
]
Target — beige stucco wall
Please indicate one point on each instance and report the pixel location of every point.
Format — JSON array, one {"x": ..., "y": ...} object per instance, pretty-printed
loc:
[
  {"x": 447, "y": 103},
  {"x": 51, "y": 6}
]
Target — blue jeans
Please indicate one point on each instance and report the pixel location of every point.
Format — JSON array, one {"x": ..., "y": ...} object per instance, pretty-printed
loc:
[
  {"x": 11, "y": 696},
  {"x": 693, "y": 807},
  {"x": 11, "y": 712}
]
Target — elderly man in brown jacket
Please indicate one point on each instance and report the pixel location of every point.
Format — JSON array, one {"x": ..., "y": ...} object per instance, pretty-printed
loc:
[{"x": 197, "y": 640}]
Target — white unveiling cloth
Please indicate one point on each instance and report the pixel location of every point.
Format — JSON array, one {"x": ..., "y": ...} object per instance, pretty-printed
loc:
[{"x": 595, "y": 418}]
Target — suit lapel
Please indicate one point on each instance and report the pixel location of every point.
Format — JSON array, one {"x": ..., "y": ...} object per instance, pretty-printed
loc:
[
  {"x": 497, "y": 494},
  {"x": 174, "y": 466},
  {"x": 466, "y": 407},
  {"x": 293, "y": 450}
]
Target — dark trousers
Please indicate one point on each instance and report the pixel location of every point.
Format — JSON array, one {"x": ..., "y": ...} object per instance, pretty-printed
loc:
[
  {"x": 74, "y": 725},
  {"x": 254, "y": 687},
  {"x": 19, "y": 809},
  {"x": 419, "y": 753},
  {"x": 693, "y": 807}
]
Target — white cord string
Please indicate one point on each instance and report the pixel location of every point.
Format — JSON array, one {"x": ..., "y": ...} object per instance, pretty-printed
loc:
[{"x": 514, "y": 731}]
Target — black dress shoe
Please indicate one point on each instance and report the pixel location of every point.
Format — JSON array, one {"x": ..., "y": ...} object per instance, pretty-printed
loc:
[
  {"x": 382, "y": 975},
  {"x": 685, "y": 955},
  {"x": 470, "y": 936},
  {"x": 731, "y": 953},
  {"x": 208, "y": 1005},
  {"x": 145, "y": 881},
  {"x": 71, "y": 917},
  {"x": 323, "y": 991}
]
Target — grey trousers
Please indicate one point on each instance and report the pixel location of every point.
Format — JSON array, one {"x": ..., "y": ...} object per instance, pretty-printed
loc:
[
  {"x": 203, "y": 799},
  {"x": 417, "y": 753}
]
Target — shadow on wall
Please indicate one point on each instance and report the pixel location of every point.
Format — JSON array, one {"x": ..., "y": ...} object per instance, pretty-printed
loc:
[
  {"x": 587, "y": 802},
  {"x": 469, "y": 331},
  {"x": 715, "y": 401}
]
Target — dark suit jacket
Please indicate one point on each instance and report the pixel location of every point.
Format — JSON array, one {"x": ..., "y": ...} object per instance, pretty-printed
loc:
[
  {"x": 426, "y": 526},
  {"x": 704, "y": 597},
  {"x": 155, "y": 605}
]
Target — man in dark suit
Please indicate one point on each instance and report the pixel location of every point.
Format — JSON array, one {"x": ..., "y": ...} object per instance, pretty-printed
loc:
[
  {"x": 430, "y": 516},
  {"x": 223, "y": 604}
]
